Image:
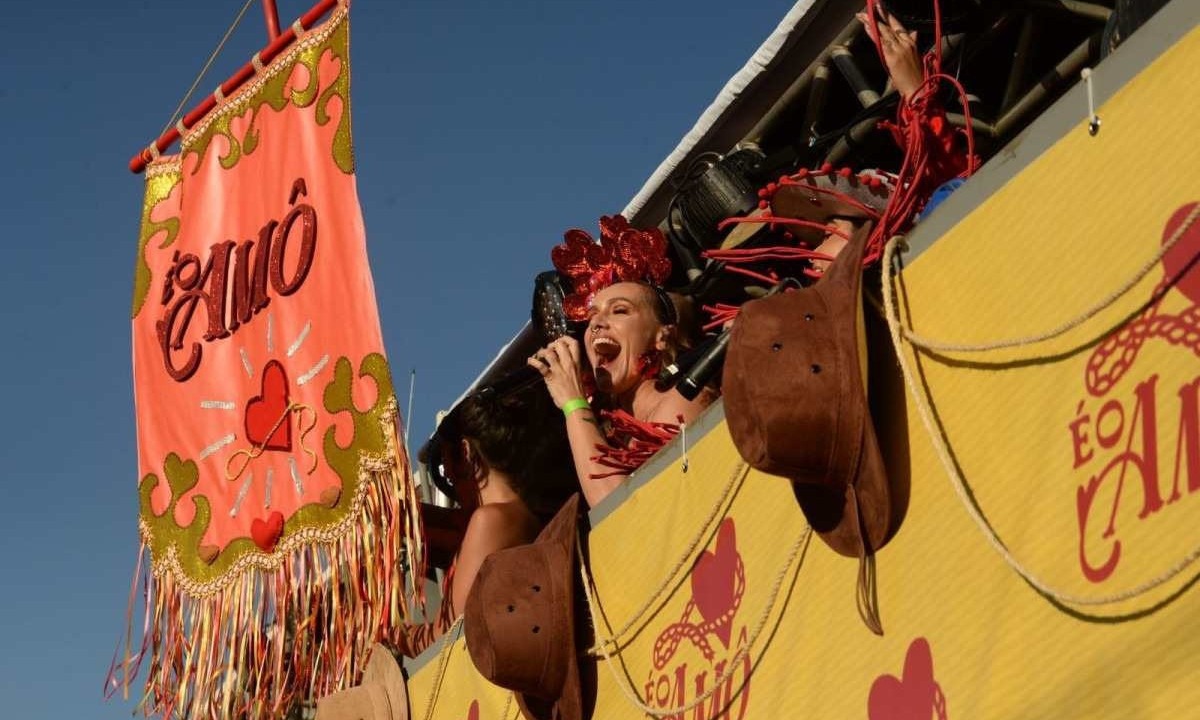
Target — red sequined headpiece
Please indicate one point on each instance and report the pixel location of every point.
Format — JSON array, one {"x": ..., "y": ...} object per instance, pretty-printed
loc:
[{"x": 624, "y": 254}]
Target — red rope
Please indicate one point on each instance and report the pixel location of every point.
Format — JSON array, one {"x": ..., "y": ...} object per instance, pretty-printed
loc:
[
  {"x": 930, "y": 159},
  {"x": 721, "y": 313},
  {"x": 768, "y": 279},
  {"x": 844, "y": 172},
  {"x": 796, "y": 222}
]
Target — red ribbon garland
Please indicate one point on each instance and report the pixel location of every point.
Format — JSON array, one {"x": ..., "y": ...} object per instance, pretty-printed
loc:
[
  {"x": 631, "y": 442},
  {"x": 932, "y": 156}
]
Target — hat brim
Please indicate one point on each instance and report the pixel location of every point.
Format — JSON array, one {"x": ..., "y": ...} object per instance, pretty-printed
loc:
[
  {"x": 382, "y": 694},
  {"x": 818, "y": 199},
  {"x": 383, "y": 669},
  {"x": 742, "y": 232},
  {"x": 853, "y": 519},
  {"x": 856, "y": 519},
  {"x": 821, "y": 198},
  {"x": 562, "y": 530}
]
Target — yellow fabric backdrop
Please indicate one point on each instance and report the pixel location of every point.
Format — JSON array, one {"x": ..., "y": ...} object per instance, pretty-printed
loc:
[{"x": 966, "y": 635}]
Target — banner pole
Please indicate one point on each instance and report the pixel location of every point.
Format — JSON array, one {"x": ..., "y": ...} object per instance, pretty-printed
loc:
[
  {"x": 282, "y": 40},
  {"x": 271, "y": 14}
]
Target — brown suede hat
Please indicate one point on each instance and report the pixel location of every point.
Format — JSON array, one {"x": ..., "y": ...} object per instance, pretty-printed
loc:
[
  {"x": 520, "y": 620},
  {"x": 382, "y": 694},
  {"x": 796, "y": 404},
  {"x": 819, "y": 197}
]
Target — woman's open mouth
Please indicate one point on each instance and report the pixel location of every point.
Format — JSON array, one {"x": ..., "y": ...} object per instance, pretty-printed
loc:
[{"x": 606, "y": 350}]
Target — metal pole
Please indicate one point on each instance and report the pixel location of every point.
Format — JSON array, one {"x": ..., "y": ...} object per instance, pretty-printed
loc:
[
  {"x": 1088, "y": 10},
  {"x": 979, "y": 126},
  {"x": 856, "y": 136},
  {"x": 1064, "y": 73},
  {"x": 799, "y": 85},
  {"x": 844, "y": 60},
  {"x": 1016, "y": 76},
  {"x": 816, "y": 101}
]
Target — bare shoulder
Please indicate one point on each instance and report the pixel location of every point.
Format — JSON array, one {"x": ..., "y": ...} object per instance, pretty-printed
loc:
[
  {"x": 492, "y": 527},
  {"x": 499, "y": 525},
  {"x": 675, "y": 406}
]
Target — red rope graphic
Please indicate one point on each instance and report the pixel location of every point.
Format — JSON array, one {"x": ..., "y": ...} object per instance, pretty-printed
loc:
[
  {"x": 668, "y": 641},
  {"x": 1113, "y": 357}
]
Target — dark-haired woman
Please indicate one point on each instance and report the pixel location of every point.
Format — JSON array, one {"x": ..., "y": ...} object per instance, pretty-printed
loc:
[{"x": 508, "y": 461}]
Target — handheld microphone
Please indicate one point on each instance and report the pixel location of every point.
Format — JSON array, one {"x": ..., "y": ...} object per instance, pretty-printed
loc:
[
  {"x": 707, "y": 364},
  {"x": 669, "y": 374},
  {"x": 707, "y": 359},
  {"x": 549, "y": 321}
]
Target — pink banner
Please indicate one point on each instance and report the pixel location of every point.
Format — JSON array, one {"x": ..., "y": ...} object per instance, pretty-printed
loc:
[{"x": 273, "y": 488}]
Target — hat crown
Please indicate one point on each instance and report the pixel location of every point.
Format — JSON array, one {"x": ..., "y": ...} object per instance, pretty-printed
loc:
[
  {"x": 519, "y": 618},
  {"x": 517, "y": 606},
  {"x": 796, "y": 406},
  {"x": 807, "y": 336}
]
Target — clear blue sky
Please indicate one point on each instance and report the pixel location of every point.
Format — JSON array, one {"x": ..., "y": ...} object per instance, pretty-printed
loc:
[{"x": 482, "y": 129}]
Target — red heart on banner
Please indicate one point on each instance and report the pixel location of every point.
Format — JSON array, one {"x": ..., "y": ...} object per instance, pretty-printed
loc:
[
  {"x": 714, "y": 580},
  {"x": 1178, "y": 259},
  {"x": 266, "y": 412},
  {"x": 266, "y": 532},
  {"x": 911, "y": 698}
]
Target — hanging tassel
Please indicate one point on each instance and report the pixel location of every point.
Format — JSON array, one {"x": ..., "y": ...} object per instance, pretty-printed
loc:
[
  {"x": 867, "y": 597},
  {"x": 276, "y": 637}
]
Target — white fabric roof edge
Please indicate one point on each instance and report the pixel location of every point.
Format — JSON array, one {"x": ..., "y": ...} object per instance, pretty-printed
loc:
[{"x": 755, "y": 66}]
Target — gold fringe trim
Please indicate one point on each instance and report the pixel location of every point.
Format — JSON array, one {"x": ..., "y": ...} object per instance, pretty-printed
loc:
[{"x": 293, "y": 626}]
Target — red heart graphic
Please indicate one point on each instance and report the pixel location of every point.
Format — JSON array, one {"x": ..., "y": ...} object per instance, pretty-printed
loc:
[
  {"x": 714, "y": 580},
  {"x": 267, "y": 411},
  {"x": 912, "y": 698},
  {"x": 1178, "y": 259},
  {"x": 473, "y": 712},
  {"x": 266, "y": 532}
]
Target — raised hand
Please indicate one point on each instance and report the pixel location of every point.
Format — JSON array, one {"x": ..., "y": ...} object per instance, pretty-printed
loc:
[
  {"x": 561, "y": 368},
  {"x": 900, "y": 54}
]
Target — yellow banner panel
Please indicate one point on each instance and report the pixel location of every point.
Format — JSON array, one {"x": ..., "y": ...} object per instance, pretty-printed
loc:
[{"x": 1043, "y": 565}]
